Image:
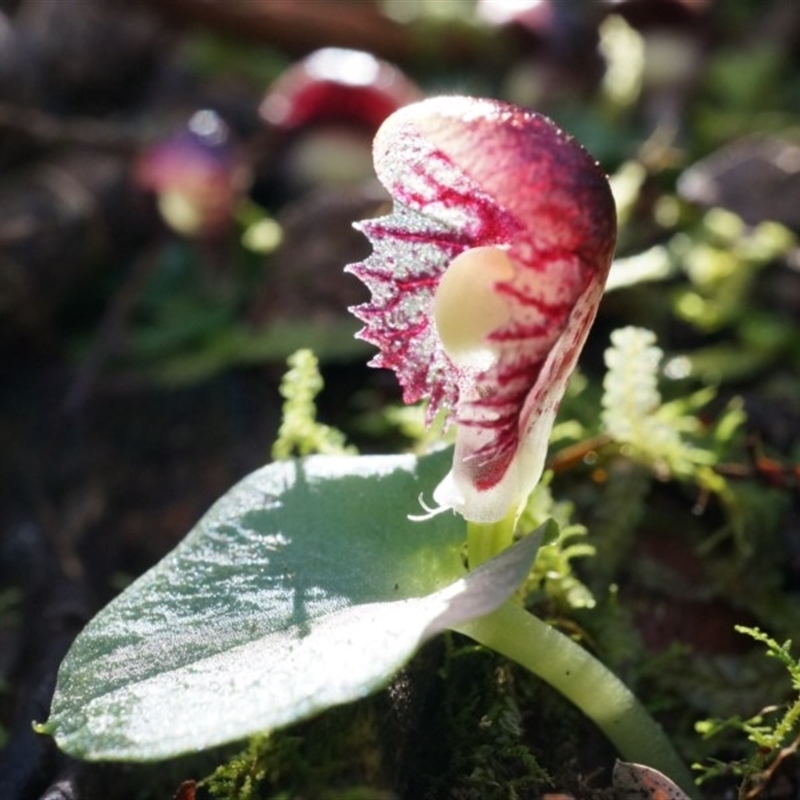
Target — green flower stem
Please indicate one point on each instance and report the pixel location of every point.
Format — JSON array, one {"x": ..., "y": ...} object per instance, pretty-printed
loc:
[
  {"x": 485, "y": 541},
  {"x": 585, "y": 681},
  {"x": 573, "y": 671}
]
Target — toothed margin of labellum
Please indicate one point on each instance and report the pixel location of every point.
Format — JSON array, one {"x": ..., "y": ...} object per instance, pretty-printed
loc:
[{"x": 464, "y": 174}]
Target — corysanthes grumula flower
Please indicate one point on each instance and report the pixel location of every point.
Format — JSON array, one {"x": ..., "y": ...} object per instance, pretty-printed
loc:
[{"x": 485, "y": 280}]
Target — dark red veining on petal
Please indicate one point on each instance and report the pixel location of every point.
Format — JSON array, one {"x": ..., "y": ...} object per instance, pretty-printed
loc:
[
  {"x": 554, "y": 188},
  {"x": 481, "y": 172},
  {"x": 455, "y": 217},
  {"x": 405, "y": 342},
  {"x": 547, "y": 308},
  {"x": 490, "y": 223}
]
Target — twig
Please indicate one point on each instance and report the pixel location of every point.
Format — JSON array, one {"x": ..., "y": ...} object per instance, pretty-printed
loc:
[
  {"x": 54, "y": 130},
  {"x": 299, "y": 26}
]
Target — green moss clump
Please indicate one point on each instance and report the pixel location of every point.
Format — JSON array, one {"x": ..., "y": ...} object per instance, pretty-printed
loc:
[
  {"x": 337, "y": 756},
  {"x": 300, "y": 432}
]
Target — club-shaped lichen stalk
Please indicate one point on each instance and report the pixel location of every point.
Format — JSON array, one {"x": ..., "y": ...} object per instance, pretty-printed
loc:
[{"x": 485, "y": 280}]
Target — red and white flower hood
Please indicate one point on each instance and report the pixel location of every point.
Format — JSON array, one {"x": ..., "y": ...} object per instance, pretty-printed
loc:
[{"x": 485, "y": 280}]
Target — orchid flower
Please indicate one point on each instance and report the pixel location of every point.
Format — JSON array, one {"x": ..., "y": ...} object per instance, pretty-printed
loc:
[
  {"x": 485, "y": 280},
  {"x": 197, "y": 176},
  {"x": 336, "y": 85}
]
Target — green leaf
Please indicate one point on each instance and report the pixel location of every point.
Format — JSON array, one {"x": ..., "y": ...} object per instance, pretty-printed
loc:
[{"x": 304, "y": 587}]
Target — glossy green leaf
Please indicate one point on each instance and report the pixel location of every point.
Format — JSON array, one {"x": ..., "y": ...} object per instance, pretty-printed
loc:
[{"x": 304, "y": 587}]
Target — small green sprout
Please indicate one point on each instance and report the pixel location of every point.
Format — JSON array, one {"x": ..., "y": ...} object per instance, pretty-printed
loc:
[
  {"x": 668, "y": 437},
  {"x": 774, "y": 731},
  {"x": 300, "y": 432}
]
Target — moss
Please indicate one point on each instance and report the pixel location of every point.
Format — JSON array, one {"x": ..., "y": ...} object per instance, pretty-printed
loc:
[
  {"x": 300, "y": 432},
  {"x": 772, "y": 733},
  {"x": 474, "y": 743},
  {"x": 337, "y": 756}
]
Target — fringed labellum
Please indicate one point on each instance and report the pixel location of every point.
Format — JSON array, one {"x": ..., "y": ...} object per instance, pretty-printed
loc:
[{"x": 485, "y": 280}]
